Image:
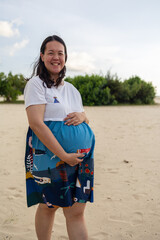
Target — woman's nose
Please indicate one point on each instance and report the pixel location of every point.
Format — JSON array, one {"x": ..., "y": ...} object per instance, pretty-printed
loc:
[{"x": 55, "y": 56}]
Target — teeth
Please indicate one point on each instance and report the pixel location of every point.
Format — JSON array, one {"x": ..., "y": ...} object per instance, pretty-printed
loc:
[{"x": 55, "y": 64}]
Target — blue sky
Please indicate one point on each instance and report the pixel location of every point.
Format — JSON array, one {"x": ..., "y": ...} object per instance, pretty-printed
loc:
[{"x": 122, "y": 36}]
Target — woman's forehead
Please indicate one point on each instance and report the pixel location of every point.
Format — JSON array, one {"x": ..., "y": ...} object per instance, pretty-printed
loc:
[{"x": 54, "y": 46}]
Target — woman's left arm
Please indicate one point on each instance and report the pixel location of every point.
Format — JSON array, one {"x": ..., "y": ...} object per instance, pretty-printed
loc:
[{"x": 76, "y": 118}]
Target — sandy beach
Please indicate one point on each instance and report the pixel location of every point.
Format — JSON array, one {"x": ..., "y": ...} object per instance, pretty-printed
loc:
[{"x": 127, "y": 175}]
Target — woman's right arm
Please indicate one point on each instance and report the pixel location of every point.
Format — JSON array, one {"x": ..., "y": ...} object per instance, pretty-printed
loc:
[{"x": 35, "y": 115}]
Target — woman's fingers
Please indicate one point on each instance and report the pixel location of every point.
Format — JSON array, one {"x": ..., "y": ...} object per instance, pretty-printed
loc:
[
  {"x": 80, "y": 155},
  {"x": 70, "y": 115},
  {"x": 74, "y": 118},
  {"x": 72, "y": 122},
  {"x": 74, "y": 158}
]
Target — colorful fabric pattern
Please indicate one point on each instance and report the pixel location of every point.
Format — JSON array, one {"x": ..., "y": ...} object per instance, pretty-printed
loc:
[{"x": 51, "y": 181}]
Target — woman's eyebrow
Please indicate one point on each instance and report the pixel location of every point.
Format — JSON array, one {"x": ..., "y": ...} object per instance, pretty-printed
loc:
[{"x": 60, "y": 51}]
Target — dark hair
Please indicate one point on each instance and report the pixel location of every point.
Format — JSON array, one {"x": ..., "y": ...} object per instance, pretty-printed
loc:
[{"x": 40, "y": 69}]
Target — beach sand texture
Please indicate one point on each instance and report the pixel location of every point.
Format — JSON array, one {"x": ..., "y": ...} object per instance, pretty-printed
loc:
[{"x": 127, "y": 175}]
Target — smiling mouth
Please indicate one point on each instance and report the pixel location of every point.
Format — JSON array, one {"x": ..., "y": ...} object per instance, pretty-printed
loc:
[{"x": 55, "y": 64}]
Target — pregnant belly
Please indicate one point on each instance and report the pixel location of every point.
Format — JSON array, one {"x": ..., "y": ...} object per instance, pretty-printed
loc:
[{"x": 72, "y": 138}]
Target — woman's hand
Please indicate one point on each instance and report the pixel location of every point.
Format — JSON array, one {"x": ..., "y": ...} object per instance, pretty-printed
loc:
[
  {"x": 73, "y": 159},
  {"x": 76, "y": 118}
]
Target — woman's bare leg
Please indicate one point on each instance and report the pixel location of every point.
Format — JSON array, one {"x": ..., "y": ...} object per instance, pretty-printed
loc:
[
  {"x": 75, "y": 222},
  {"x": 44, "y": 221}
]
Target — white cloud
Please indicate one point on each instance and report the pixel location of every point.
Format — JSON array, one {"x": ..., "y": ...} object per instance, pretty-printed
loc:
[
  {"x": 18, "y": 46},
  {"x": 80, "y": 62},
  {"x": 9, "y": 29}
]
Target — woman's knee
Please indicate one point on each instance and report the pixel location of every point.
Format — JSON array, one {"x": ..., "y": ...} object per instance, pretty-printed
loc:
[{"x": 76, "y": 211}]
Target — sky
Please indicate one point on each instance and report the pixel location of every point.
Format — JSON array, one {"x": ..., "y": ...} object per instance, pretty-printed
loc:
[{"x": 120, "y": 36}]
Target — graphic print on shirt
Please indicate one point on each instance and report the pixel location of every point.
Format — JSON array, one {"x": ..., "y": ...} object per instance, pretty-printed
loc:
[{"x": 55, "y": 100}]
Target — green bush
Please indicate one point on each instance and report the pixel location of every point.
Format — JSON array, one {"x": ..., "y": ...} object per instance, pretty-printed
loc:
[
  {"x": 139, "y": 91},
  {"x": 118, "y": 90},
  {"x": 11, "y": 86},
  {"x": 110, "y": 90},
  {"x": 93, "y": 89}
]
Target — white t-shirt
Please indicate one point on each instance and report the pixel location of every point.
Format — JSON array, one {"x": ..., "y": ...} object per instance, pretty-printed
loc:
[{"x": 59, "y": 101}]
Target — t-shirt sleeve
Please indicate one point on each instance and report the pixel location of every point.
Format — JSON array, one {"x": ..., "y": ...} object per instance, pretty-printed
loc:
[{"x": 34, "y": 92}]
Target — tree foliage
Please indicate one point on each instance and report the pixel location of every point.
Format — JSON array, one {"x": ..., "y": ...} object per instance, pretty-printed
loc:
[
  {"x": 110, "y": 90},
  {"x": 11, "y": 86},
  {"x": 93, "y": 89}
]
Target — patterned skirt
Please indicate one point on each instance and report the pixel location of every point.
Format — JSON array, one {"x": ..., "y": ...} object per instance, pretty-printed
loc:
[{"x": 51, "y": 181}]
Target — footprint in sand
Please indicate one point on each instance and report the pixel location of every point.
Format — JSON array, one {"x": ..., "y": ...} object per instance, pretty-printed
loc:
[
  {"x": 116, "y": 219},
  {"x": 12, "y": 218},
  {"x": 138, "y": 196},
  {"x": 153, "y": 213},
  {"x": 137, "y": 218},
  {"x": 16, "y": 193},
  {"x": 100, "y": 235}
]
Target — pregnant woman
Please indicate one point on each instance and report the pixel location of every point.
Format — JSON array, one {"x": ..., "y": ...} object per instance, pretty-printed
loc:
[{"x": 60, "y": 144}]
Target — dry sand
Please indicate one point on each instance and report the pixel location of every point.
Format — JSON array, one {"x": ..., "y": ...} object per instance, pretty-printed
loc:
[{"x": 127, "y": 175}]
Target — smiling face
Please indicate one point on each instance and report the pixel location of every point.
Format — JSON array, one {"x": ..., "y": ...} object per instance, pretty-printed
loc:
[{"x": 54, "y": 58}]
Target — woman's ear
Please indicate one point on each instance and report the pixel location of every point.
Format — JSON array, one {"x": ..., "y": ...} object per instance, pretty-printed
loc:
[{"x": 42, "y": 57}]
